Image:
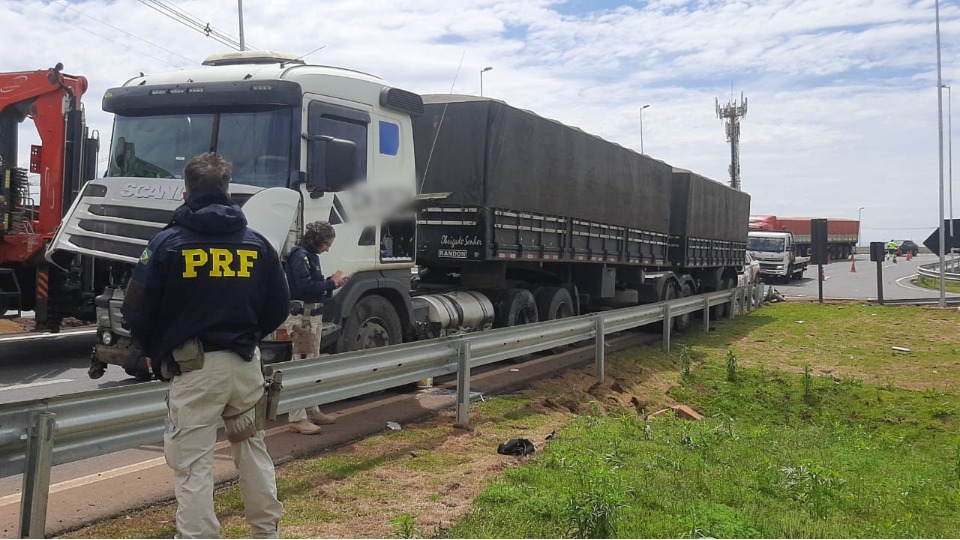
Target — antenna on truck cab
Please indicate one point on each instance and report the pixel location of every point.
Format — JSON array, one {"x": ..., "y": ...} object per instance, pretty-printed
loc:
[{"x": 433, "y": 145}]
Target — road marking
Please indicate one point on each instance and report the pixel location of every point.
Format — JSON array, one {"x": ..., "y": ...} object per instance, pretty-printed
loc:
[
  {"x": 119, "y": 471},
  {"x": 31, "y": 385},
  {"x": 47, "y": 335}
]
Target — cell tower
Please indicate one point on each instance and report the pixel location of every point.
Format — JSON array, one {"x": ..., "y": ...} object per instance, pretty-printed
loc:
[{"x": 733, "y": 112}]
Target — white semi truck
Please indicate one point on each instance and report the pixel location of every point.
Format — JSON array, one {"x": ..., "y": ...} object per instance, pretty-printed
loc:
[{"x": 537, "y": 220}]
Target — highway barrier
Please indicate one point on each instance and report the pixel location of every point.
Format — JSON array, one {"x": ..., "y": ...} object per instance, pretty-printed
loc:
[{"x": 38, "y": 434}]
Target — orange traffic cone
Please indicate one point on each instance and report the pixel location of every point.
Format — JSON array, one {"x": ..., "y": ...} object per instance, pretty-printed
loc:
[
  {"x": 828, "y": 258},
  {"x": 909, "y": 255},
  {"x": 853, "y": 264}
]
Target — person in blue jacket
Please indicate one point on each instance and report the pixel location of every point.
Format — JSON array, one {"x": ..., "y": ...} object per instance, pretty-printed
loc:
[
  {"x": 205, "y": 291},
  {"x": 309, "y": 288}
]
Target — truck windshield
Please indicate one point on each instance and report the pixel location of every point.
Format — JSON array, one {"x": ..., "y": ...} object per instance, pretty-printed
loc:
[
  {"x": 258, "y": 144},
  {"x": 770, "y": 245}
]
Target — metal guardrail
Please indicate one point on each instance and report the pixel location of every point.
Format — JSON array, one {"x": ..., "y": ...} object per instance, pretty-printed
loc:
[
  {"x": 951, "y": 269},
  {"x": 37, "y": 434}
]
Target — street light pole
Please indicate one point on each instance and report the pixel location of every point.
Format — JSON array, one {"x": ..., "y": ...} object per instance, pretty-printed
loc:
[
  {"x": 482, "y": 71},
  {"x": 943, "y": 294},
  {"x": 950, "y": 151},
  {"x": 641, "y": 127}
]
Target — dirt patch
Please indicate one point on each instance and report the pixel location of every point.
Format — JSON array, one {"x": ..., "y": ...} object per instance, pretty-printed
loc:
[{"x": 15, "y": 325}]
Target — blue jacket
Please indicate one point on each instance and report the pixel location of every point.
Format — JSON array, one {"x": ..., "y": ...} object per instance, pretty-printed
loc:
[
  {"x": 206, "y": 275},
  {"x": 304, "y": 277}
]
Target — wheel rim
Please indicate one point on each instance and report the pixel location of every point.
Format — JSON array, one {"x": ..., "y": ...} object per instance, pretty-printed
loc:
[
  {"x": 525, "y": 316},
  {"x": 372, "y": 334}
]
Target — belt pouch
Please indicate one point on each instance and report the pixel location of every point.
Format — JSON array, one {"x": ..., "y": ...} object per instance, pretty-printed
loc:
[{"x": 189, "y": 356}]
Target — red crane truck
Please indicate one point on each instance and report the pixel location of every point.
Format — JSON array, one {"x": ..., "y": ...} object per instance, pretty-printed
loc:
[{"x": 64, "y": 160}]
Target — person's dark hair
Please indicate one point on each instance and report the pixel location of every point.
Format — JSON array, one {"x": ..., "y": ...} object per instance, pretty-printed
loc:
[
  {"x": 317, "y": 234},
  {"x": 207, "y": 172}
]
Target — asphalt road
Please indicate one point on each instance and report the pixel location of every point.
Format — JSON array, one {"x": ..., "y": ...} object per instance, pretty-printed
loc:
[{"x": 841, "y": 282}]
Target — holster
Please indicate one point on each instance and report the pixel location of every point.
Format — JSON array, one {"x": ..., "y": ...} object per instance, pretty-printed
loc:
[
  {"x": 189, "y": 355},
  {"x": 272, "y": 384}
]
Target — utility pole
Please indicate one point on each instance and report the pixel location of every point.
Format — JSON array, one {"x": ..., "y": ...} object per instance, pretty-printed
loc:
[
  {"x": 240, "y": 11},
  {"x": 732, "y": 113}
]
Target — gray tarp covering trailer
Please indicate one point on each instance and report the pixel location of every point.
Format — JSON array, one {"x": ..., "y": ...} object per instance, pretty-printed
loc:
[
  {"x": 526, "y": 187},
  {"x": 708, "y": 222},
  {"x": 537, "y": 204}
]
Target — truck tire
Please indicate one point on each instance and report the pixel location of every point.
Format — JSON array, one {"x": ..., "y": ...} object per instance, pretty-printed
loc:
[
  {"x": 373, "y": 323},
  {"x": 723, "y": 310},
  {"x": 517, "y": 306},
  {"x": 683, "y": 322},
  {"x": 669, "y": 293},
  {"x": 553, "y": 303}
]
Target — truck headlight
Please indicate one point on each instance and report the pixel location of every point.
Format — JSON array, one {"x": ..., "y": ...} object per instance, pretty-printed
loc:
[
  {"x": 107, "y": 338},
  {"x": 779, "y": 267}
]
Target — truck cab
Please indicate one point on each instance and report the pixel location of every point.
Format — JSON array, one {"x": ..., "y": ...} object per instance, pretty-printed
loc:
[{"x": 777, "y": 254}]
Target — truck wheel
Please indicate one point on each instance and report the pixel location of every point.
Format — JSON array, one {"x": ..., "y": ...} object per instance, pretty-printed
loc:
[
  {"x": 373, "y": 323},
  {"x": 683, "y": 321},
  {"x": 669, "y": 293},
  {"x": 723, "y": 310},
  {"x": 553, "y": 303},
  {"x": 798, "y": 274},
  {"x": 517, "y": 306}
]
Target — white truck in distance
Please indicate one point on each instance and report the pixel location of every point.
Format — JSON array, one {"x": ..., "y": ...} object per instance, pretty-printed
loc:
[{"x": 776, "y": 252}]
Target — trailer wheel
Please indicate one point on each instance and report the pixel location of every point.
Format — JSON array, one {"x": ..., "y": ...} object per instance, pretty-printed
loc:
[
  {"x": 553, "y": 303},
  {"x": 373, "y": 323},
  {"x": 723, "y": 310},
  {"x": 669, "y": 293},
  {"x": 517, "y": 306},
  {"x": 683, "y": 321}
]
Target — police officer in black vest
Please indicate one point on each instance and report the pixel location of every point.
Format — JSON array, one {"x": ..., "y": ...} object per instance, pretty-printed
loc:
[{"x": 204, "y": 293}]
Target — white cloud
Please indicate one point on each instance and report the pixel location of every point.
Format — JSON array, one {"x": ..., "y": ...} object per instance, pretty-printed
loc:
[{"x": 842, "y": 94}]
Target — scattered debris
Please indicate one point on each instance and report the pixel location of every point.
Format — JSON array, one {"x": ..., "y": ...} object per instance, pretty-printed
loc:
[
  {"x": 516, "y": 447},
  {"x": 774, "y": 296},
  {"x": 515, "y": 369},
  {"x": 798, "y": 322},
  {"x": 394, "y": 426},
  {"x": 682, "y": 411},
  {"x": 901, "y": 349},
  {"x": 551, "y": 435}
]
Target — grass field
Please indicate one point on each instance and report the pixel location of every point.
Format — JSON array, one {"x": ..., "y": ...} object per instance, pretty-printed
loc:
[{"x": 814, "y": 426}]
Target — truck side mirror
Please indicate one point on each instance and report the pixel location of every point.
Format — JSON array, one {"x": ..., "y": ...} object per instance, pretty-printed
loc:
[{"x": 331, "y": 164}]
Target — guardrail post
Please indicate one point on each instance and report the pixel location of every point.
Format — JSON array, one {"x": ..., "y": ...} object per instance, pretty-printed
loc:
[
  {"x": 733, "y": 303},
  {"x": 599, "y": 343},
  {"x": 667, "y": 324},
  {"x": 748, "y": 295},
  {"x": 706, "y": 315},
  {"x": 758, "y": 294},
  {"x": 36, "y": 477},
  {"x": 463, "y": 383}
]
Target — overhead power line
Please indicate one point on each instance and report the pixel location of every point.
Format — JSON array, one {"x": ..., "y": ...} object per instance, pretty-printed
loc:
[{"x": 191, "y": 21}]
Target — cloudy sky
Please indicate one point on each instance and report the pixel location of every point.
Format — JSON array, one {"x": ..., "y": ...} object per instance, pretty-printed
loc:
[{"x": 842, "y": 94}]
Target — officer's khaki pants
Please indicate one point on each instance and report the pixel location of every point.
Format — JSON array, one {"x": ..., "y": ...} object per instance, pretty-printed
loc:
[
  {"x": 297, "y": 415},
  {"x": 225, "y": 386}
]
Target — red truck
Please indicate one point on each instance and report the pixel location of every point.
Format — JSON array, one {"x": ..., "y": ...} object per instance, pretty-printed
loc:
[
  {"x": 842, "y": 233},
  {"x": 64, "y": 161}
]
